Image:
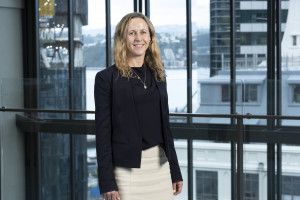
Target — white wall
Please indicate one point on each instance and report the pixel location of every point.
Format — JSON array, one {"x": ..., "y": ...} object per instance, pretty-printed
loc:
[{"x": 11, "y": 92}]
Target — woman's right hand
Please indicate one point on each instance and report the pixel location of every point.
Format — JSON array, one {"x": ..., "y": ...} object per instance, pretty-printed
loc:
[{"x": 113, "y": 195}]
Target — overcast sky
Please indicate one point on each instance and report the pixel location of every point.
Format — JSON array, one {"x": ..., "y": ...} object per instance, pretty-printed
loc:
[{"x": 163, "y": 12}]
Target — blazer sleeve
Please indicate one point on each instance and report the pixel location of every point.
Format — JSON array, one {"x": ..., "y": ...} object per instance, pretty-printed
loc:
[
  {"x": 174, "y": 166},
  {"x": 103, "y": 107}
]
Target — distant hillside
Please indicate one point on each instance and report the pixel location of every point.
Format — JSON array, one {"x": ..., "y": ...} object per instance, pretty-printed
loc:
[{"x": 159, "y": 29}]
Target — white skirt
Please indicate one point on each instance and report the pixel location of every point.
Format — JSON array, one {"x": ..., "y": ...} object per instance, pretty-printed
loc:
[{"x": 150, "y": 182}]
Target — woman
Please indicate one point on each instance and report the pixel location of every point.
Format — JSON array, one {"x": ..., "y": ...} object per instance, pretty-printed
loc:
[{"x": 135, "y": 148}]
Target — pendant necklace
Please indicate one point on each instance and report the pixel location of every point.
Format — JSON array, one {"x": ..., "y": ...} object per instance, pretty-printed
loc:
[{"x": 143, "y": 82}]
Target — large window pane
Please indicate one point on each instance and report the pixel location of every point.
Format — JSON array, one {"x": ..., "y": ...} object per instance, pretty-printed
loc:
[
  {"x": 290, "y": 172},
  {"x": 119, "y": 8},
  {"x": 211, "y": 48},
  {"x": 255, "y": 171},
  {"x": 200, "y": 50},
  {"x": 181, "y": 150},
  {"x": 212, "y": 170},
  {"x": 290, "y": 54},
  {"x": 206, "y": 185},
  {"x": 171, "y": 34},
  {"x": 94, "y": 49},
  {"x": 55, "y": 165},
  {"x": 55, "y": 87}
]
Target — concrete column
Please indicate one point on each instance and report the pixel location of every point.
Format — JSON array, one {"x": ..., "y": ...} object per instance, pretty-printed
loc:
[{"x": 11, "y": 92}]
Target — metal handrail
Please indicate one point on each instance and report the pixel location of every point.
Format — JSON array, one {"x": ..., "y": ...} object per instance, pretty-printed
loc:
[{"x": 234, "y": 116}]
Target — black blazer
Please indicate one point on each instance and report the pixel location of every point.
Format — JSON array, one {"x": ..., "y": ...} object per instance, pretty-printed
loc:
[{"x": 118, "y": 139}]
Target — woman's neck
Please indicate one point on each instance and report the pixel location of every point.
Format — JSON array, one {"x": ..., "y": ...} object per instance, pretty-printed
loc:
[{"x": 135, "y": 62}]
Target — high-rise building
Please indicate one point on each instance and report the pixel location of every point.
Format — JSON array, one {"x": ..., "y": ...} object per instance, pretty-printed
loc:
[{"x": 251, "y": 32}]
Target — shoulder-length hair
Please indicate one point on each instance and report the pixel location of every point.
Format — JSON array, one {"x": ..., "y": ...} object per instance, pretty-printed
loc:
[{"x": 152, "y": 57}]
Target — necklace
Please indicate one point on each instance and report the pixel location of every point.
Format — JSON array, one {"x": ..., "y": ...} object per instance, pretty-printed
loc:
[{"x": 143, "y": 82}]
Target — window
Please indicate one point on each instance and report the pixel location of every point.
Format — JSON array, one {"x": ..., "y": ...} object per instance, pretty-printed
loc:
[
  {"x": 225, "y": 93},
  {"x": 206, "y": 185},
  {"x": 296, "y": 93},
  {"x": 253, "y": 38},
  {"x": 294, "y": 40},
  {"x": 254, "y": 16},
  {"x": 290, "y": 188},
  {"x": 250, "y": 93},
  {"x": 251, "y": 187}
]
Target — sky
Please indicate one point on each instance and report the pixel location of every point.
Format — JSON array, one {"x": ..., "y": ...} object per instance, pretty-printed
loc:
[{"x": 163, "y": 12}]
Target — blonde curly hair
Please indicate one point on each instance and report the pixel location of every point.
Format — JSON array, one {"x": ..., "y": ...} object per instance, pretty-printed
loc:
[{"x": 152, "y": 56}]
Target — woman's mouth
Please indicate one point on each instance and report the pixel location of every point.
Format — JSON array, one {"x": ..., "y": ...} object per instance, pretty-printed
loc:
[{"x": 138, "y": 45}]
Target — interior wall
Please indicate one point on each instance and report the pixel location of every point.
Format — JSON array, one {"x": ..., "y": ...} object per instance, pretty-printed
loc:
[{"x": 11, "y": 96}]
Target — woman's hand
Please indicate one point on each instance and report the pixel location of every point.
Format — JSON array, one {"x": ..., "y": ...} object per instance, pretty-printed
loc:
[
  {"x": 177, "y": 187},
  {"x": 113, "y": 195}
]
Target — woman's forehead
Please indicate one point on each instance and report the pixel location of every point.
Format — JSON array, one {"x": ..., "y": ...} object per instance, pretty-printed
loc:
[{"x": 137, "y": 23}]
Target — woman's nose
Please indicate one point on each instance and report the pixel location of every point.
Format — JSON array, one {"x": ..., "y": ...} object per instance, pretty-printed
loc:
[{"x": 138, "y": 36}]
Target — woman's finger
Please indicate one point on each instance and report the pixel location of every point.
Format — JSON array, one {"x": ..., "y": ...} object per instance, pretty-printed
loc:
[
  {"x": 118, "y": 196},
  {"x": 177, "y": 187},
  {"x": 174, "y": 188}
]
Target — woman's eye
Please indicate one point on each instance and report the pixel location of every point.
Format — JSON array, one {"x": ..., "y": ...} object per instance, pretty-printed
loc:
[{"x": 131, "y": 33}]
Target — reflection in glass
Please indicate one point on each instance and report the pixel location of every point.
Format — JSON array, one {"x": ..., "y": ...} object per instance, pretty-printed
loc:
[
  {"x": 55, "y": 165},
  {"x": 60, "y": 89},
  {"x": 53, "y": 34}
]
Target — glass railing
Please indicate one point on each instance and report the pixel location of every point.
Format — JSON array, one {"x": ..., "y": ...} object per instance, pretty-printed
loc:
[{"x": 214, "y": 147}]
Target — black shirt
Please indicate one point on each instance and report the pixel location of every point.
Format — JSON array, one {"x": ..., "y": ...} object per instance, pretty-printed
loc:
[{"x": 147, "y": 104}]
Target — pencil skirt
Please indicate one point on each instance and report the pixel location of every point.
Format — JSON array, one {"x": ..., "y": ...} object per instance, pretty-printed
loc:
[{"x": 150, "y": 182}]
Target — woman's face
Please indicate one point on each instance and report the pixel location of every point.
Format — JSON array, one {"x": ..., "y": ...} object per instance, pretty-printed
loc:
[{"x": 138, "y": 38}]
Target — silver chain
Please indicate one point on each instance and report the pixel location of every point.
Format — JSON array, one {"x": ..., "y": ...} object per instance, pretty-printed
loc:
[{"x": 144, "y": 83}]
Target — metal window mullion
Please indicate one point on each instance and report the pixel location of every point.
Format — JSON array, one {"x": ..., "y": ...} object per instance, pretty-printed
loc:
[
  {"x": 233, "y": 169},
  {"x": 271, "y": 97},
  {"x": 232, "y": 59},
  {"x": 140, "y": 6},
  {"x": 279, "y": 95},
  {"x": 135, "y": 5},
  {"x": 189, "y": 93},
  {"x": 108, "y": 32},
  {"x": 190, "y": 169},
  {"x": 189, "y": 55},
  {"x": 147, "y": 8},
  {"x": 31, "y": 52},
  {"x": 240, "y": 159},
  {"x": 233, "y": 150},
  {"x": 37, "y": 140},
  {"x": 71, "y": 72},
  {"x": 278, "y": 59}
]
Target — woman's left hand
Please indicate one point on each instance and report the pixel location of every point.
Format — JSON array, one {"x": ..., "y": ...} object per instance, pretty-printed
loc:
[{"x": 177, "y": 187}]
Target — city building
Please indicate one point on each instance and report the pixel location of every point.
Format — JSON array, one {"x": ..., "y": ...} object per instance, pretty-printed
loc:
[{"x": 251, "y": 31}]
